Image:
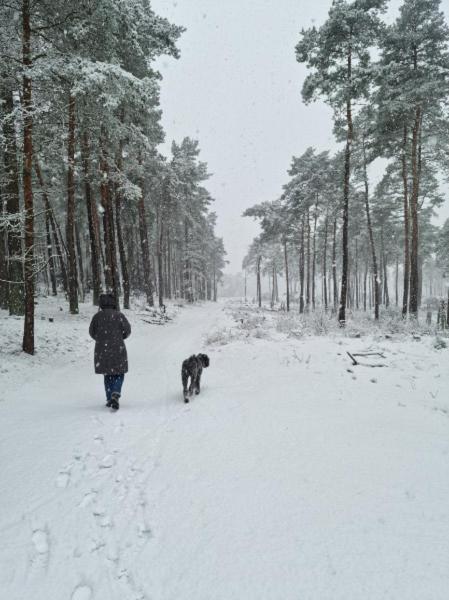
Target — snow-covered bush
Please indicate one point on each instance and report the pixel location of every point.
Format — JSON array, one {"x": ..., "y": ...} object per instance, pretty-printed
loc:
[
  {"x": 220, "y": 337},
  {"x": 439, "y": 343}
]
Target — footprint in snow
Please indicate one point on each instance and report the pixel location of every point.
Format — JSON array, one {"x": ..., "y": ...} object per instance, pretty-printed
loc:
[
  {"x": 119, "y": 427},
  {"x": 82, "y": 592},
  {"x": 88, "y": 499},
  {"x": 63, "y": 479},
  {"x": 40, "y": 541},
  {"x": 107, "y": 462},
  {"x": 99, "y": 511}
]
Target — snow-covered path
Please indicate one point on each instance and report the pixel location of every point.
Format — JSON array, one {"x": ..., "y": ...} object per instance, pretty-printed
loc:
[{"x": 288, "y": 478}]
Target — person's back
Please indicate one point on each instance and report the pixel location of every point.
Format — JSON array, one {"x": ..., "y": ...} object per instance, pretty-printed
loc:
[{"x": 109, "y": 328}]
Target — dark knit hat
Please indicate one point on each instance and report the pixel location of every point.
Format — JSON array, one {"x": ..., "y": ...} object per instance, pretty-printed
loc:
[{"x": 107, "y": 301}]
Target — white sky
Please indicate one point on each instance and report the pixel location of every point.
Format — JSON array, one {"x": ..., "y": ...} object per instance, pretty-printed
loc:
[{"x": 237, "y": 89}]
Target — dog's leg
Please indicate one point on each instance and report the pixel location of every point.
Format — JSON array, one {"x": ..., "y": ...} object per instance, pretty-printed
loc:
[
  {"x": 185, "y": 379},
  {"x": 198, "y": 383},
  {"x": 192, "y": 385}
]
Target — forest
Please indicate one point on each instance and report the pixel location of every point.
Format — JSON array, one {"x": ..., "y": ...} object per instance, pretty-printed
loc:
[
  {"x": 88, "y": 202},
  {"x": 224, "y": 299},
  {"x": 342, "y": 238}
]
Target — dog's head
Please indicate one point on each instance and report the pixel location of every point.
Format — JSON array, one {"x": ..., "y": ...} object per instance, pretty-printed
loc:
[{"x": 204, "y": 359}]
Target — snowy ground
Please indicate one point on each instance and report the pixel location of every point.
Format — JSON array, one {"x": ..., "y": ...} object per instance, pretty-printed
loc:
[{"x": 293, "y": 476}]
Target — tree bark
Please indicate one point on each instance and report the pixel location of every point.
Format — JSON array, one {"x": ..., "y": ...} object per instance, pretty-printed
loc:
[
  {"x": 334, "y": 264},
  {"x": 4, "y": 275},
  {"x": 15, "y": 273},
  {"x": 145, "y": 249},
  {"x": 160, "y": 273},
  {"x": 80, "y": 269},
  {"x": 28, "y": 330},
  {"x": 121, "y": 248},
  {"x": 315, "y": 219},
  {"x": 414, "y": 266},
  {"x": 370, "y": 235},
  {"x": 51, "y": 260},
  {"x": 111, "y": 274},
  {"x": 308, "y": 261},
  {"x": 70, "y": 232},
  {"x": 406, "y": 225},
  {"x": 301, "y": 268},
  {"x": 345, "y": 225},
  {"x": 286, "y": 275},
  {"x": 92, "y": 220},
  {"x": 396, "y": 282},
  {"x": 118, "y": 223},
  {"x": 326, "y": 226}
]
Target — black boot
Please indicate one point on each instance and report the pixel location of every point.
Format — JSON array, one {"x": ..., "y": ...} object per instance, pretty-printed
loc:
[{"x": 114, "y": 404}]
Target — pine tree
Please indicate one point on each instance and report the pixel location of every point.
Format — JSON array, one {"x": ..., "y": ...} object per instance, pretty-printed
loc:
[{"x": 339, "y": 56}]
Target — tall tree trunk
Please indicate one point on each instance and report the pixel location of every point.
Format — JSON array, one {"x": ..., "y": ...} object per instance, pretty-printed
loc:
[
  {"x": 370, "y": 234},
  {"x": 315, "y": 219},
  {"x": 160, "y": 273},
  {"x": 370, "y": 292},
  {"x": 406, "y": 225},
  {"x": 145, "y": 249},
  {"x": 286, "y": 275},
  {"x": 345, "y": 226},
  {"x": 364, "y": 286},
  {"x": 308, "y": 261},
  {"x": 259, "y": 288},
  {"x": 386, "y": 292},
  {"x": 4, "y": 275},
  {"x": 420, "y": 279},
  {"x": 121, "y": 248},
  {"x": 414, "y": 253},
  {"x": 111, "y": 274},
  {"x": 118, "y": 224},
  {"x": 169, "y": 267},
  {"x": 356, "y": 275},
  {"x": 301, "y": 268},
  {"x": 28, "y": 330},
  {"x": 326, "y": 226},
  {"x": 51, "y": 260},
  {"x": 334, "y": 264},
  {"x": 15, "y": 258},
  {"x": 80, "y": 270},
  {"x": 396, "y": 282},
  {"x": 92, "y": 220},
  {"x": 70, "y": 233}
]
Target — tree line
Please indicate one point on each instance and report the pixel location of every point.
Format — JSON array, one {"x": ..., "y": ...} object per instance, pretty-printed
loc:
[
  {"x": 331, "y": 228},
  {"x": 87, "y": 202}
]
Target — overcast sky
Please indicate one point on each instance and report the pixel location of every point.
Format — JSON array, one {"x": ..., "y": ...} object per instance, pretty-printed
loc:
[{"x": 237, "y": 89}]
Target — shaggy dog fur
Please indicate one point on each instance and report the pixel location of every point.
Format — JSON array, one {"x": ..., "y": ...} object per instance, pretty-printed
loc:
[{"x": 193, "y": 367}]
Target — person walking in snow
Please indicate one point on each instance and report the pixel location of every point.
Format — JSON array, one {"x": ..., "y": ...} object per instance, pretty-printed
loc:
[{"x": 109, "y": 328}]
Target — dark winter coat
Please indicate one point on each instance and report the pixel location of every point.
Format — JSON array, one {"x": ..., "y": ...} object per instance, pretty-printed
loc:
[{"x": 109, "y": 328}]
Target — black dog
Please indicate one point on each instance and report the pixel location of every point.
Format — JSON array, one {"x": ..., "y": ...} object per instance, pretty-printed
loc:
[{"x": 193, "y": 367}]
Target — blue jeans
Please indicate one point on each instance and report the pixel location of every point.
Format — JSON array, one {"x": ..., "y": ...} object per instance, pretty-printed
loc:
[{"x": 113, "y": 383}]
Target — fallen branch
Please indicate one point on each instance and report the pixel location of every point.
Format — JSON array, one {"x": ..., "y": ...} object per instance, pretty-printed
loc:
[
  {"x": 356, "y": 363},
  {"x": 369, "y": 354}
]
